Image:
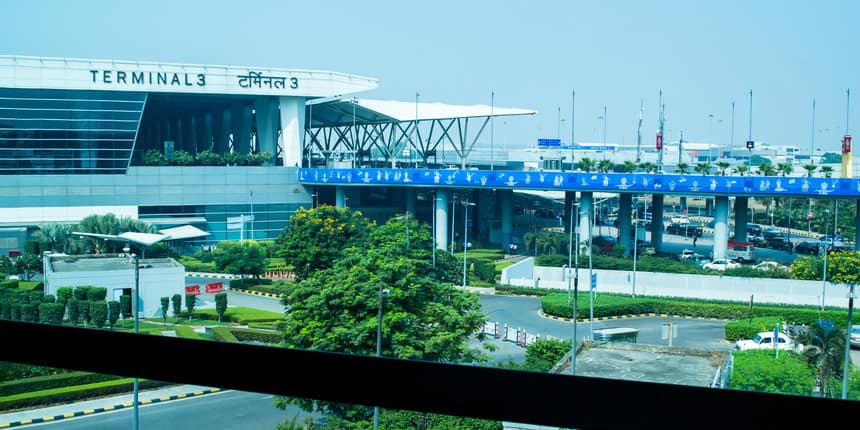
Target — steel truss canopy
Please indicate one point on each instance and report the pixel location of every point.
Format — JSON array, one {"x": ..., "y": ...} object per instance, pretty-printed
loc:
[{"x": 344, "y": 132}]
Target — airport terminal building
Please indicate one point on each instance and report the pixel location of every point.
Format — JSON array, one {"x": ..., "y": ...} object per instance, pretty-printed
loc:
[{"x": 81, "y": 137}]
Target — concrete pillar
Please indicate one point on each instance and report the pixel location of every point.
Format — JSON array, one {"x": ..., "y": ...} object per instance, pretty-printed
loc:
[
  {"x": 340, "y": 197},
  {"x": 441, "y": 215},
  {"x": 624, "y": 214},
  {"x": 409, "y": 197},
  {"x": 218, "y": 136},
  {"x": 267, "y": 123},
  {"x": 569, "y": 208},
  {"x": 721, "y": 226},
  {"x": 180, "y": 134},
  {"x": 506, "y": 214},
  {"x": 857, "y": 226},
  {"x": 683, "y": 204},
  {"x": 657, "y": 221},
  {"x": 240, "y": 117},
  {"x": 207, "y": 132},
  {"x": 194, "y": 125},
  {"x": 292, "y": 110},
  {"x": 709, "y": 206},
  {"x": 586, "y": 205},
  {"x": 741, "y": 209}
]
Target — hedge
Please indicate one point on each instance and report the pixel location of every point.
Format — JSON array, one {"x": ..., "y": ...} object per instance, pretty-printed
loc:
[
  {"x": 238, "y": 314},
  {"x": 39, "y": 383},
  {"x": 186, "y": 332},
  {"x": 747, "y": 328},
  {"x": 249, "y": 283},
  {"x": 224, "y": 334},
  {"x": 73, "y": 393},
  {"x": 244, "y": 335}
]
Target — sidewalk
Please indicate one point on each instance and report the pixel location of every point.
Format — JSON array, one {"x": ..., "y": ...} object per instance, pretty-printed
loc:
[{"x": 113, "y": 403}]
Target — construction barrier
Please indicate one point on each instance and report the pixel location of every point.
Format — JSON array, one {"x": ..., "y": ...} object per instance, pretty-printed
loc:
[{"x": 280, "y": 275}]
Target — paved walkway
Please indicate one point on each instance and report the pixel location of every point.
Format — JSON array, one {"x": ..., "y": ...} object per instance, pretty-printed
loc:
[{"x": 105, "y": 404}]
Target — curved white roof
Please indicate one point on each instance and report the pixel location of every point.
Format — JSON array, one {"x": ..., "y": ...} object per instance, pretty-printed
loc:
[{"x": 406, "y": 111}]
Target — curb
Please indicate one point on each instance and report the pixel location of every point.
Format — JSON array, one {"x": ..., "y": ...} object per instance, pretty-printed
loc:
[
  {"x": 107, "y": 408},
  {"x": 258, "y": 293},
  {"x": 620, "y": 317},
  {"x": 210, "y": 275}
]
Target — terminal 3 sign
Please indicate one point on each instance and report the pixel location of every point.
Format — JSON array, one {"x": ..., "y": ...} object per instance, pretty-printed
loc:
[{"x": 182, "y": 79}]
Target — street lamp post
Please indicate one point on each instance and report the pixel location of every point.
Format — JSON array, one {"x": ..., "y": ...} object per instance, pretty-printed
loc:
[
  {"x": 575, "y": 283},
  {"x": 465, "y": 236},
  {"x": 382, "y": 293},
  {"x": 134, "y": 311},
  {"x": 824, "y": 270}
]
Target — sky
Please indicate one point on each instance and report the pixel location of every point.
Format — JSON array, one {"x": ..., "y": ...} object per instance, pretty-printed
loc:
[{"x": 703, "y": 56}]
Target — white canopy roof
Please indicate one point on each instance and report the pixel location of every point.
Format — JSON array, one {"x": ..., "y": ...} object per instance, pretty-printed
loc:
[
  {"x": 183, "y": 232},
  {"x": 405, "y": 111}
]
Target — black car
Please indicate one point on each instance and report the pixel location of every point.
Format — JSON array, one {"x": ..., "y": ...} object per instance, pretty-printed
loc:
[
  {"x": 807, "y": 247},
  {"x": 780, "y": 243},
  {"x": 684, "y": 229}
]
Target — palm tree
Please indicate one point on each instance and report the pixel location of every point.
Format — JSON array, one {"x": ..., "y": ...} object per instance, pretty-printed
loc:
[
  {"x": 604, "y": 166},
  {"x": 723, "y": 166},
  {"x": 57, "y": 235},
  {"x": 824, "y": 348},
  {"x": 766, "y": 169},
  {"x": 827, "y": 171},
  {"x": 741, "y": 169},
  {"x": 810, "y": 169},
  {"x": 586, "y": 164},
  {"x": 683, "y": 168},
  {"x": 703, "y": 167},
  {"x": 785, "y": 169},
  {"x": 648, "y": 166},
  {"x": 629, "y": 166}
]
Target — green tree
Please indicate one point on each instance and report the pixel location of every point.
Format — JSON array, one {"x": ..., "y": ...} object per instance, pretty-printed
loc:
[
  {"x": 315, "y": 238},
  {"x": 74, "y": 311},
  {"x": 648, "y": 166},
  {"x": 220, "y": 305},
  {"x": 84, "y": 311},
  {"x": 28, "y": 265},
  {"x": 181, "y": 158},
  {"x": 190, "y": 302},
  {"x": 125, "y": 305},
  {"x": 628, "y": 166},
  {"x": 56, "y": 235},
  {"x": 810, "y": 169},
  {"x": 683, "y": 168},
  {"x": 605, "y": 166},
  {"x": 823, "y": 351},
  {"x": 785, "y": 169},
  {"x": 106, "y": 224},
  {"x": 113, "y": 312},
  {"x": 723, "y": 166},
  {"x": 246, "y": 259},
  {"x": 827, "y": 171},
  {"x": 176, "y": 300},
  {"x": 7, "y": 267},
  {"x": 740, "y": 169},
  {"x": 586, "y": 164},
  {"x": 165, "y": 305},
  {"x": 99, "y": 313},
  {"x": 703, "y": 168},
  {"x": 335, "y": 309},
  {"x": 766, "y": 169},
  {"x": 154, "y": 157},
  {"x": 760, "y": 370}
]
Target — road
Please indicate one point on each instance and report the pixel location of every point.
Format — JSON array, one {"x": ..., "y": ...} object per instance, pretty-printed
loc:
[{"x": 235, "y": 410}]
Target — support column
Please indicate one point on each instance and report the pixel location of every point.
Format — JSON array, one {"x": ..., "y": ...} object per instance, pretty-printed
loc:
[
  {"x": 721, "y": 226},
  {"x": 240, "y": 116},
  {"x": 741, "y": 209},
  {"x": 340, "y": 197},
  {"x": 569, "y": 201},
  {"x": 292, "y": 111},
  {"x": 683, "y": 203},
  {"x": 857, "y": 226},
  {"x": 506, "y": 213},
  {"x": 409, "y": 200},
  {"x": 657, "y": 221},
  {"x": 266, "y": 124},
  {"x": 441, "y": 215},
  {"x": 586, "y": 203},
  {"x": 624, "y": 211},
  {"x": 207, "y": 133}
]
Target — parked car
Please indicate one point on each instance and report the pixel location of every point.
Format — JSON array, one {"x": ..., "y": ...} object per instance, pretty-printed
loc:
[
  {"x": 722, "y": 264},
  {"x": 780, "y": 243},
  {"x": 764, "y": 340},
  {"x": 807, "y": 247},
  {"x": 697, "y": 260},
  {"x": 688, "y": 229},
  {"x": 771, "y": 266},
  {"x": 754, "y": 229},
  {"x": 855, "y": 336},
  {"x": 686, "y": 253}
]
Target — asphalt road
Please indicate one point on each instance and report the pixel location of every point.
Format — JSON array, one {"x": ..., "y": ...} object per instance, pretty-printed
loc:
[{"x": 236, "y": 410}]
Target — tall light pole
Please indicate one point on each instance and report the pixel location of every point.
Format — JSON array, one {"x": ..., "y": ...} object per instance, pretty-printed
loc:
[
  {"x": 569, "y": 265},
  {"x": 465, "y": 236},
  {"x": 453, "y": 210},
  {"x": 604, "y": 132},
  {"x": 749, "y": 136},
  {"x": 134, "y": 312},
  {"x": 847, "y": 358},
  {"x": 492, "y": 126},
  {"x": 382, "y": 293},
  {"x": 354, "y": 133},
  {"x": 635, "y": 245},
  {"x": 824, "y": 271}
]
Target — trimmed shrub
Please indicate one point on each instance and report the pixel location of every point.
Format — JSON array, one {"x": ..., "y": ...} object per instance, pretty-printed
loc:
[
  {"x": 77, "y": 392},
  {"x": 248, "y": 283},
  {"x": 223, "y": 334},
  {"x": 113, "y": 312},
  {"x": 81, "y": 292},
  {"x": 190, "y": 302},
  {"x": 246, "y": 335},
  {"x": 176, "y": 300},
  {"x": 99, "y": 313},
  {"x": 49, "y": 299},
  {"x": 30, "y": 312},
  {"x": 186, "y": 332},
  {"x": 485, "y": 269},
  {"x": 165, "y": 305},
  {"x": 74, "y": 311},
  {"x": 125, "y": 305},
  {"x": 51, "y": 313},
  {"x": 37, "y": 383},
  {"x": 84, "y": 311},
  {"x": 96, "y": 294},
  {"x": 64, "y": 294},
  {"x": 220, "y": 304},
  {"x": 760, "y": 370},
  {"x": 9, "y": 283}
]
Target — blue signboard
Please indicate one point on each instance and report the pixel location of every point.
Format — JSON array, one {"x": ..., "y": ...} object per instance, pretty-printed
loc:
[
  {"x": 549, "y": 142},
  {"x": 594, "y": 281},
  {"x": 589, "y": 147},
  {"x": 790, "y": 186}
]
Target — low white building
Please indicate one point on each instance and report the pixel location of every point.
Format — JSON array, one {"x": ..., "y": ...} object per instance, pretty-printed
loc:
[{"x": 159, "y": 277}]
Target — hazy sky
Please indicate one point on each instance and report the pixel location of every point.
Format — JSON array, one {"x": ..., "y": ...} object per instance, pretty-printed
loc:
[{"x": 702, "y": 55}]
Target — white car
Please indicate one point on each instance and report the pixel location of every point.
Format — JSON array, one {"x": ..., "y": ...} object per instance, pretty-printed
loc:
[
  {"x": 855, "y": 336},
  {"x": 771, "y": 266},
  {"x": 722, "y": 264},
  {"x": 764, "y": 340}
]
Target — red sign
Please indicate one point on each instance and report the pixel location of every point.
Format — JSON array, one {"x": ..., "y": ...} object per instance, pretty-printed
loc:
[
  {"x": 192, "y": 289},
  {"x": 846, "y": 144},
  {"x": 659, "y": 141},
  {"x": 214, "y": 287},
  {"x": 809, "y": 216}
]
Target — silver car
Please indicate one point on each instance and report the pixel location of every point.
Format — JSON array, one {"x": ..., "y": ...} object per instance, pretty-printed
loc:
[{"x": 855, "y": 336}]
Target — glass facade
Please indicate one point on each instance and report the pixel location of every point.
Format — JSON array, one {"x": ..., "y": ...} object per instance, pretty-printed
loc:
[{"x": 46, "y": 131}]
